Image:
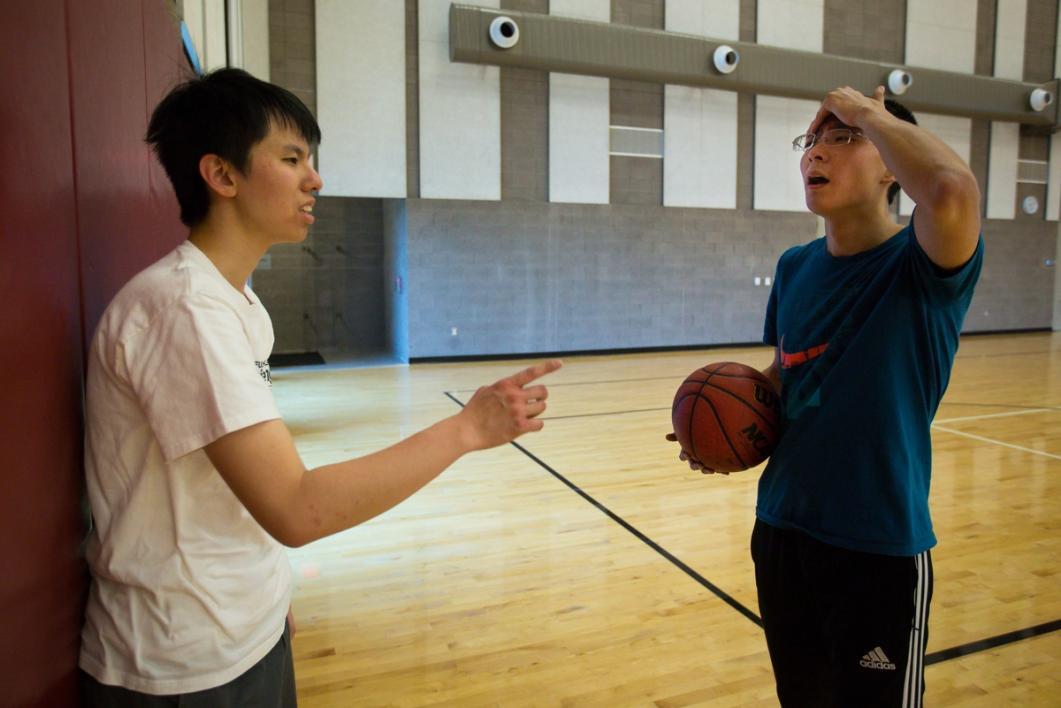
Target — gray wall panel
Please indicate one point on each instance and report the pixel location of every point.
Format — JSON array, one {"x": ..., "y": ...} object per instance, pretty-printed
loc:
[
  {"x": 563, "y": 277},
  {"x": 1016, "y": 288},
  {"x": 865, "y": 29}
]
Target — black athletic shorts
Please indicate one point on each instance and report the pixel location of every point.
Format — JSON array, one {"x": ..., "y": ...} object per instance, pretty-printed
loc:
[{"x": 844, "y": 628}]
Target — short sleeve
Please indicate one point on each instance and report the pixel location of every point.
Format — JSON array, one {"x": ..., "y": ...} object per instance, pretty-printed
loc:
[
  {"x": 944, "y": 287},
  {"x": 196, "y": 375}
]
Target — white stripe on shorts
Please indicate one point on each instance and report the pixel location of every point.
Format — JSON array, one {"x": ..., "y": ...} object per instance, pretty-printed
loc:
[{"x": 915, "y": 655}]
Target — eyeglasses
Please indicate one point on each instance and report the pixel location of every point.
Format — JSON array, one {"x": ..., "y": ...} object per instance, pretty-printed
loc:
[{"x": 830, "y": 138}]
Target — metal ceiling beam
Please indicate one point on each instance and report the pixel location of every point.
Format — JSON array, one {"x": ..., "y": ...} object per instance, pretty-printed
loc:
[{"x": 551, "y": 43}]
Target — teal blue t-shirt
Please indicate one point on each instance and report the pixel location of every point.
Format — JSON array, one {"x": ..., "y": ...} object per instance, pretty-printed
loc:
[{"x": 866, "y": 347}]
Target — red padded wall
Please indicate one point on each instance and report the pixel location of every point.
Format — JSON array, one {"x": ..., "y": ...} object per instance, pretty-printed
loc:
[
  {"x": 84, "y": 209},
  {"x": 40, "y": 322},
  {"x": 121, "y": 227}
]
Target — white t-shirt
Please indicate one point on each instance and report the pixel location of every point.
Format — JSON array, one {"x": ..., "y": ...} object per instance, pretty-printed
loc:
[{"x": 188, "y": 591}]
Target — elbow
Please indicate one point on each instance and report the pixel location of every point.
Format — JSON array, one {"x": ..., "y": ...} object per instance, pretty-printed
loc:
[
  {"x": 286, "y": 536},
  {"x": 956, "y": 193},
  {"x": 292, "y": 540},
  {"x": 288, "y": 531}
]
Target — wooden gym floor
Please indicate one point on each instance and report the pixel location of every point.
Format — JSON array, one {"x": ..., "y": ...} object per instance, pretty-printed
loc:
[{"x": 586, "y": 566}]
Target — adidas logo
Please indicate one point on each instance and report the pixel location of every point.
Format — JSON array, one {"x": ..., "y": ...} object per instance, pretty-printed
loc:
[{"x": 876, "y": 659}]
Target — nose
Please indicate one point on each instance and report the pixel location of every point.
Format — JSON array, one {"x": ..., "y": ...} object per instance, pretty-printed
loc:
[
  {"x": 315, "y": 181},
  {"x": 816, "y": 152}
]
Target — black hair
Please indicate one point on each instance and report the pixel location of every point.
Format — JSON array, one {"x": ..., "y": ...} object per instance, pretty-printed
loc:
[
  {"x": 224, "y": 113},
  {"x": 902, "y": 113}
]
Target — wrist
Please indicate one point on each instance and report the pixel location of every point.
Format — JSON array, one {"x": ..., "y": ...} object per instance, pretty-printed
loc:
[
  {"x": 871, "y": 117},
  {"x": 461, "y": 429}
]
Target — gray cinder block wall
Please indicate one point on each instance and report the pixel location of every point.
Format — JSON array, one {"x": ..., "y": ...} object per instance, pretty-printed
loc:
[
  {"x": 326, "y": 294},
  {"x": 523, "y": 275}
]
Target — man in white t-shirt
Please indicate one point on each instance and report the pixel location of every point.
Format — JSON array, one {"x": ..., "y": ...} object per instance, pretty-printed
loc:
[{"x": 194, "y": 482}]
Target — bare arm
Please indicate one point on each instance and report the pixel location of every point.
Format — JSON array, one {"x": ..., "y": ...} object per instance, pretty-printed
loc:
[
  {"x": 947, "y": 218},
  {"x": 295, "y": 506}
]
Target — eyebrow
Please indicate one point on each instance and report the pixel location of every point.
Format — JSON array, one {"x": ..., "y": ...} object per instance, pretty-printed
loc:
[
  {"x": 295, "y": 149},
  {"x": 834, "y": 124}
]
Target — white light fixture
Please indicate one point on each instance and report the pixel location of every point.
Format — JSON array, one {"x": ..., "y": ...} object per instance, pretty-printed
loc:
[
  {"x": 899, "y": 81},
  {"x": 504, "y": 32},
  {"x": 1029, "y": 205},
  {"x": 725, "y": 59},
  {"x": 1040, "y": 99}
]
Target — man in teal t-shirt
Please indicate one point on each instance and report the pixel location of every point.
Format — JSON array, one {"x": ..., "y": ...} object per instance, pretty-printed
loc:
[{"x": 865, "y": 322}]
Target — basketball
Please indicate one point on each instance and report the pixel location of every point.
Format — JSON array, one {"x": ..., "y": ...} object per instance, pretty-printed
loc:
[{"x": 727, "y": 416}]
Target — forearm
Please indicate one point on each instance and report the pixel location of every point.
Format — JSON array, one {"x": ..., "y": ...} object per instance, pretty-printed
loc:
[
  {"x": 928, "y": 170},
  {"x": 335, "y": 497},
  {"x": 774, "y": 375}
]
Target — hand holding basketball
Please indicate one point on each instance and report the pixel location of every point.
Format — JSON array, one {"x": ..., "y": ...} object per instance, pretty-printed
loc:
[
  {"x": 693, "y": 464},
  {"x": 508, "y": 408},
  {"x": 726, "y": 418}
]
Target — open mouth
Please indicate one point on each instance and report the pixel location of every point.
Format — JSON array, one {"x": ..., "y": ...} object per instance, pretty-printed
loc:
[{"x": 817, "y": 180}]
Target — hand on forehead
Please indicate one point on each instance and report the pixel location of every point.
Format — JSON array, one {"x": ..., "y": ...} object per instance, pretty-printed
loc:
[{"x": 843, "y": 105}]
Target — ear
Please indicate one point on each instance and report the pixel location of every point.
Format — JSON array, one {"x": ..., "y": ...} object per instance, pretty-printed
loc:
[{"x": 217, "y": 173}]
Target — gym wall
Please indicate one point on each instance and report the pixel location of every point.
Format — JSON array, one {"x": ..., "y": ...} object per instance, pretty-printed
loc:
[{"x": 530, "y": 226}]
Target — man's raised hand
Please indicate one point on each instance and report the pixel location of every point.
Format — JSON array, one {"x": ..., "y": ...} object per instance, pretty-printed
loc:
[
  {"x": 846, "y": 104},
  {"x": 503, "y": 411}
]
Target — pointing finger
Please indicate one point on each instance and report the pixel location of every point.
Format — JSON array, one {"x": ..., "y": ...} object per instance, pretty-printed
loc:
[{"x": 531, "y": 373}]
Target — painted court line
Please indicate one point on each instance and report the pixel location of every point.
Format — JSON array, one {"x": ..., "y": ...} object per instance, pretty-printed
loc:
[
  {"x": 997, "y": 442},
  {"x": 995, "y": 415}
]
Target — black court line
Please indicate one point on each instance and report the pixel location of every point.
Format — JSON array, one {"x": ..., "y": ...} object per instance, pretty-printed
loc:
[
  {"x": 992, "y": 642},
  {"x": 719, "y": 592},
  {"x": 930, "y": 659},
  {"x": 675, "y": 377},
  {"x": 594, "y": 415},
  {"x": 593, "y": 383}
]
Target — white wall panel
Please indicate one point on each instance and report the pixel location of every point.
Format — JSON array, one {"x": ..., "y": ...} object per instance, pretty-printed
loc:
[
  {"x": 1005, "y": 137},
  {"x": 700, "y": 125},
  {"x": 1002, "y": 171},
  {"x": 778, "y": 182},
  {"x": 1053, "y": 185},
  {"x": 579, "y": 116},
  {"x": 1010, "y": 17},
  {"x": 361, "y": 97},
  {"x": 214, "y": 33},
  {"x": 718, "y": 19},
  {"x": 794, "y": 24},
  {"x": 207, "y": 27},
  {"x": 254, "y": 33},
  {"x": 1053, "y": 189},
  {"x": 955, "y": 132},
  {"x": 941, "y": 34},
  {"x": 460, "y": 115}
]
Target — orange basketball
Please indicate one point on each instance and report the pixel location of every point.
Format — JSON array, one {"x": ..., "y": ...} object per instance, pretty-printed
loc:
[{"x": 727, "y": 416}]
